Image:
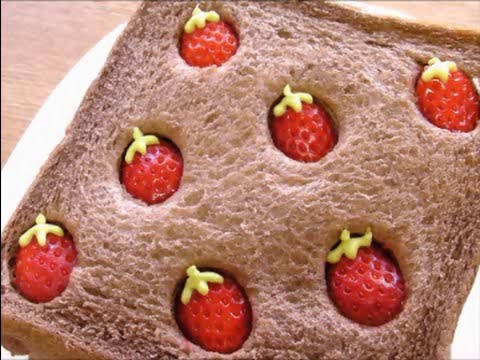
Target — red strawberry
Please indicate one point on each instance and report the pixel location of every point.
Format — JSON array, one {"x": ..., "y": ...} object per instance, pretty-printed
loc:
[
  {"x": 369, "y": 289},
  {"x": 219, "y": 321},
  {"x": 305, "y": 136},
  {"x": 452, "y": 104},
  {"x": 155, "y": 176},
  {"x": 211, "y": 45},
  {"x": 41, "y": 273}
]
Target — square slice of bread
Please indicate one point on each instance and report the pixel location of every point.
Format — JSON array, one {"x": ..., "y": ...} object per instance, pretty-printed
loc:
[{"x": 246, "y": 208}]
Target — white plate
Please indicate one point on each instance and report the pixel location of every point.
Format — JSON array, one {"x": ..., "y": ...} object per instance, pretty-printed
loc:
[{"x": 48, "y": 128}]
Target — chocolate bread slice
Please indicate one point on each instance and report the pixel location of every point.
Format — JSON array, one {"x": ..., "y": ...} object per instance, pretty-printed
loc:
[{"x": 243, "y": 206}]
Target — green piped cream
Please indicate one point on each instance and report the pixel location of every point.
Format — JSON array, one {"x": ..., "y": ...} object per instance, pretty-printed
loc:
[
  {"x": 349, "y": 246},
  {"x": 199, "y": 19},
  {"x": 40, "y": 231},
  {"x": 438, "y": 69},
  {"x": 139, "y": 144},
  {"x": 293, "y": 100},
  {"x": 198, "y": 281}
]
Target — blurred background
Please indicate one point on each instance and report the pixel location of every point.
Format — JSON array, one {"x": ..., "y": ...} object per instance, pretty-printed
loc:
[{"x": 42, "y": 40}]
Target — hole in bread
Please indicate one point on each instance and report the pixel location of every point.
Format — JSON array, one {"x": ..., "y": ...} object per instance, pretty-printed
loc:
[
  {"x": 225, "y": 307},
  {"x": 42, "y": 273},
  {"x": 453, "y": 105},
  {"x": 284, "y": 33},
  {"x": 154, "y": 177},
  {"x": 307, "y": 136},
  {"x": 211, "y": 45},
  {"x": 369, "y": 289}
]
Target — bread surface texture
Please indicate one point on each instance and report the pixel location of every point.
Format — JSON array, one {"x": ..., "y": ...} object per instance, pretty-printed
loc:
[{"x": 246, "y": 208}]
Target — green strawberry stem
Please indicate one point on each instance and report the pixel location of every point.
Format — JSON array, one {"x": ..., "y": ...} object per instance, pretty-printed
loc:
[
  {"x": 139, "y": 144},
  {"x": 40, "y": 231},
  {"x": 349, "y": 246},
  {"x": 198, "y": 281}
]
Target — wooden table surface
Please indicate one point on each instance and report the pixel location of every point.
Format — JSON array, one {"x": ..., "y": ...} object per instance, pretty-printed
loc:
[{"x": 42, "y": 40}]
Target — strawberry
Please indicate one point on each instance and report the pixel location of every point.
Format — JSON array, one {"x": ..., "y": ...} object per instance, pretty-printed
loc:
[
  {"x": 41, "y": 273},
  {"x": 152, "y": 168},
  {"x": 217, "y": 319},
  {"x": 367, "y": 288},
  {"x": 304, "y": 133},
  {"x": 207, "y": 43},
  {"x": 447, "y": 97}
]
